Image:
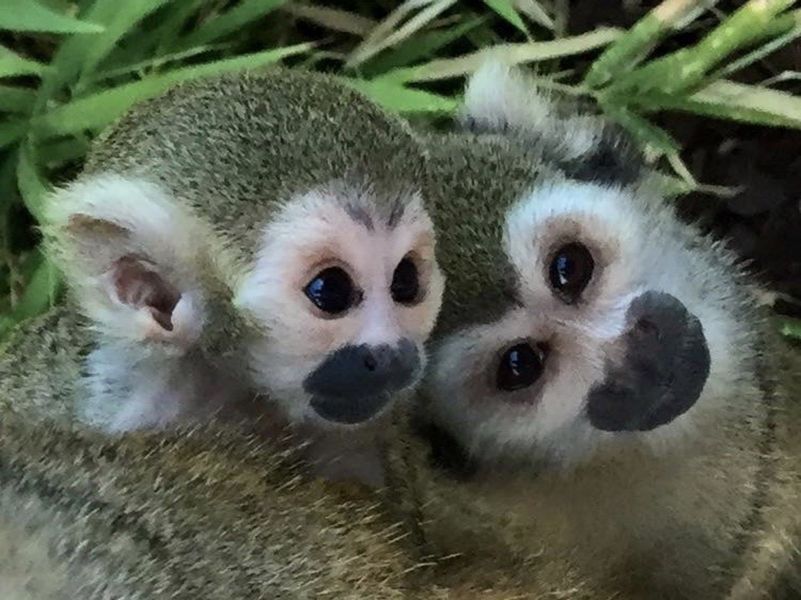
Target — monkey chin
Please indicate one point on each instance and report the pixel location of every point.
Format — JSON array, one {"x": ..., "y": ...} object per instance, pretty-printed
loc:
[
  {"x": 349, "y": 445},
  {"x": 350, "y": 411}
]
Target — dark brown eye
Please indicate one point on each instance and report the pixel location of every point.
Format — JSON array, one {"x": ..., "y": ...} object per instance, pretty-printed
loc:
[
  {"x": 570, "y": 271},
  {"x": 521, "y": 365},
  {"x": 331, "y": 291},
  {"x": 405, "y": 286}
]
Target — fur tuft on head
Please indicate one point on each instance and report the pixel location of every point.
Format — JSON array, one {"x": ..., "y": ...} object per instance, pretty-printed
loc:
[
  {"x": 503, "y": 99},
  {"x": 500, "y": 97}
]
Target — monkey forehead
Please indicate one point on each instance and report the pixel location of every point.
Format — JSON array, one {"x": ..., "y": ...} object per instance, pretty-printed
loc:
[
  {"x": 235, "y": 147},
  {"x": 607, "y": 218},
  {"x": 335, "y": 225},
  {"x": 471, "y": 183}
]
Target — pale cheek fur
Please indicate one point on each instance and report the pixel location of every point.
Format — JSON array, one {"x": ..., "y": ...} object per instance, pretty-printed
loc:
[
  {"x": 313, "y": 234},
  {"x": 553, "y": 419}
]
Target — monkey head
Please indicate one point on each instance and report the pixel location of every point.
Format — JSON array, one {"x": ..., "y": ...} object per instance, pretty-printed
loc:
[
  {"x": 270, "y": 225},
  {"x": 345, "y": 291},
  {"x": 596, "y": 317}
]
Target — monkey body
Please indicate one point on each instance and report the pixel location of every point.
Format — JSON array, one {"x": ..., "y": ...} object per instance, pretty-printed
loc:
[
  {"x": 233, "y": 239},
  {"x": 209, "y": 511},
  {"x": 663, "y": 500},
  {"x": 616, "y": 523}
]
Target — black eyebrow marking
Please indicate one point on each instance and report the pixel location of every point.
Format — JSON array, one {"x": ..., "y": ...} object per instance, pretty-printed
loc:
[
  {"x": 360, "y": 215},
  {"x": 395, "y": 215},
  {"x": 614, "y": 159}
]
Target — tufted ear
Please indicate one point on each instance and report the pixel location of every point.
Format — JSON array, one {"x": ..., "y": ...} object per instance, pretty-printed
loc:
[
  {"x": 500, "y": 97},
  {"x": 504, "y": 99},
  {"x": 134, "y": 259}
]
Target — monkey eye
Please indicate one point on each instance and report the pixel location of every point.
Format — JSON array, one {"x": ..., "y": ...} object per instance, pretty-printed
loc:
[
  {"x": 331, "y": 290},
  {"x": 570, "y": 271},
  {"x": 521, "y": 365},
  {"x": 405, "y": 287}
]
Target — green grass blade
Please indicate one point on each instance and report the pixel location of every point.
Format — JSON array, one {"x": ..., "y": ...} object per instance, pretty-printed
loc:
[
  {"x": 506, "y": 10},
  {"x": 446, "y": 68},
  {"x": 98, "y": 110},
  {"x": 738, "y": 102},
  {"x": 396, "y": 97},
  {"x": 793, "y": 32},
  {"x": 151, "y": 64},
  {"x": 688, "y": 67},
  {"x": 790, "y": 328},
  {"x": 41, "y": 293},
  {"x": 15, "y": 99},
  {"x": 419, "y": 47},
  {"x": 230, "y": 21},
  {"x": 641, "y": 128},
  {"x": 119, "y": 19},
  {"x": 12, "y": 64},
  {"x": 11, "y": 132},
  {"x": 169, "y": 31},
  {"x": 30, "y": 15},
  {"x": 334, "y": 19},
  {"x": 641, "y": 38},
  {"x": 32, "y": 185},
  {"x": 376, "y": 42},
  {"x": 54, "y": 154},
  {"x": 534, "y": 11}
]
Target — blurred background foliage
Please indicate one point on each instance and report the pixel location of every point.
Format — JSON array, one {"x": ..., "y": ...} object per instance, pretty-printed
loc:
[{"x": 70, "y": 67}]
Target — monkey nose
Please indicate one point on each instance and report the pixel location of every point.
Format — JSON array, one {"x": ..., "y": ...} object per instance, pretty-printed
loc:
[
  {"x": 356, "y": 382},
  {"x": 664, "y": 369}
]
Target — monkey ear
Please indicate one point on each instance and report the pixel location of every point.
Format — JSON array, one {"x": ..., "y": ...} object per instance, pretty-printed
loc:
[
  {"x": 133, "y": 259},
  {"x": 500, "y": 97},
  {"x": 504, "y": 99}
]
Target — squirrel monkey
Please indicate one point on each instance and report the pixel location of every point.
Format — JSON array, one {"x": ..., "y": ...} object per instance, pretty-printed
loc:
[
  {"x": 251, "y": 234},
  {"x": 602, "y": 381}
]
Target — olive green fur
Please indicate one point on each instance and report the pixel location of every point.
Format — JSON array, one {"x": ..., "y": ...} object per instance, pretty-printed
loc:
[
  {"x": 228, "y": 153},
  {"x": 752, "y": 469},
  {"x": 209, "y": 512},
  {"x": 264, "y": 138},
  {"x": 470, "y": 184}
]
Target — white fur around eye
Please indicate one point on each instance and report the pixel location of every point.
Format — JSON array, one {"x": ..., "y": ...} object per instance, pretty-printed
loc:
[
  {"x": 333, "y": 226},
  {"x": 601, "y": 218}
]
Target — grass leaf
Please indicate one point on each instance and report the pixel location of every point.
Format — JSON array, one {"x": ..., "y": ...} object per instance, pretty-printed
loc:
[
  {"x": 739, "y": 102},
  {"x": 16, "y": 99},
  {"x": 383, "y": 37},
  {"x": 119, "y": 18},
  {"x": 32, "y": 186},
  {"x": 421, "y": 46},
  {"x": 98, "y": 110},
  {"x": 232, "y": 20},
  {"x": 30, "y": 15},
  {"x": 688, "y": 67},
  {"x": 761, "y": 52},
  {"x": 334, "y": 19},
  {"x": 534, "y": 11},
  {"x": 506, "y": 10},
  {"x": 12, "y": 64},
  {"x": 641, "y": 128},
  {"x": 41, "y": 292},
  {"x": 394, "y": 96},
  {"x": 11, "y": 132},
  {"x": 445, "y": 68},
  {"x": 631, "y": 48}
]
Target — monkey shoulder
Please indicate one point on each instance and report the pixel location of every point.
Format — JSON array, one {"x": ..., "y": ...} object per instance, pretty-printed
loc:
[{"x": 41, "y": 363}]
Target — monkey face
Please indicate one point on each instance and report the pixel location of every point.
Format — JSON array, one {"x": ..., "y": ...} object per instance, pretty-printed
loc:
[
  {"x": 623, "y": 326},
  {"x": 344, "y": 291}
]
